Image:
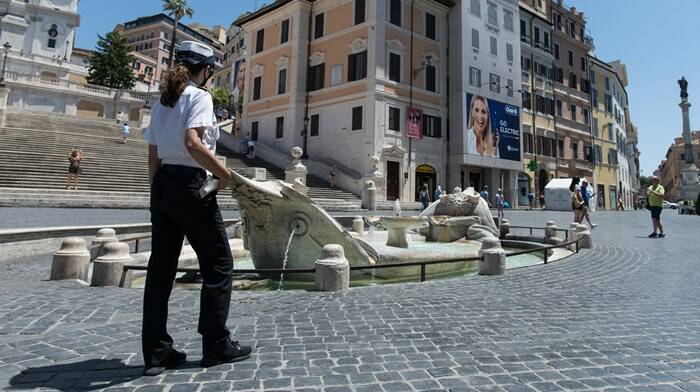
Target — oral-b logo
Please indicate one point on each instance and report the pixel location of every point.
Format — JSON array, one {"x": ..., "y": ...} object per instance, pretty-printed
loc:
[
  {"x": 512, "y": 148},
  {"x": 512, "y": 110}
]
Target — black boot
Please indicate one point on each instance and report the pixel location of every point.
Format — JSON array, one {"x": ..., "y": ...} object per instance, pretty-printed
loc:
[{"x": 225, "y": 352}]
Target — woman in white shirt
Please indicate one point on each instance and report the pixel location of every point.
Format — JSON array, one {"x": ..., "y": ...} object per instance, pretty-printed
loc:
[
  {"x": 480, "y": 139},
  {"x": 182, "y": 139}
]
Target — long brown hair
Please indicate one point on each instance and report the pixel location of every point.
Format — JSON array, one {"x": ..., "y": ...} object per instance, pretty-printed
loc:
[{"x": 176, "y": 80}]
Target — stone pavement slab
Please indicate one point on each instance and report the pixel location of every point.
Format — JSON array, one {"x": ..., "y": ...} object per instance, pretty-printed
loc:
[{"x": 623, "y": 316}]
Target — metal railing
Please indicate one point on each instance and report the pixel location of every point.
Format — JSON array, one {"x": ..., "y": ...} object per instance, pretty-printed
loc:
[{"x": 422, "y": 264}]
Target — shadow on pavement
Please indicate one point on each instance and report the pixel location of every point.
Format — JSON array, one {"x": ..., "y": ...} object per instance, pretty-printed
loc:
[{"x": 87, "y": 375}]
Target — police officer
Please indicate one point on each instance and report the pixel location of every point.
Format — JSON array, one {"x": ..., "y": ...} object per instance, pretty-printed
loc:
[{"x": 182, "y": 139}]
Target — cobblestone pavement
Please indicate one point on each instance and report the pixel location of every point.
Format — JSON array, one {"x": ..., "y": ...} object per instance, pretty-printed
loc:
[{"x": 623, "y": 316}]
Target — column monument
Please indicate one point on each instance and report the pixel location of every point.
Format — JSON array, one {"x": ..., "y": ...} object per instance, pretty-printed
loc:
[{"x": 689, "y": 173}]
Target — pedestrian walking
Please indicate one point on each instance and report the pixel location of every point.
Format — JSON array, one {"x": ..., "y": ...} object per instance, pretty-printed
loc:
[
  {"x": 531, "y": 200},
  {"x": 499, "y": 204},
  {"x": 250, "y": 147},
  {"x": 620, "y": 205},
  {"x": 125, "y": 132},
  {"x": 655, "y": 201},
  {"x": 332, "y": 174},
  {"x": 576, "y": 199},
  {"x": 182, "y": 140},
  {"x": 424, "y": 197},
  {"x": 74, "y": 158},
  {"x": 485, "y": 194},
  {"x": 438, "y": 193},
  {"x": 586, "y": 195}
]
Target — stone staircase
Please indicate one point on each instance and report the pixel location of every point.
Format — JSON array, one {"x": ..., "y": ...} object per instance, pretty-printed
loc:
[
  {"x": 66, "y": 123},
  {"x": 34, "y": 168}
]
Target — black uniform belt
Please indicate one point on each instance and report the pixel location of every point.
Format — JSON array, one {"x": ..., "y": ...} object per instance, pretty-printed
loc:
[{"x": 181, "y": 169}]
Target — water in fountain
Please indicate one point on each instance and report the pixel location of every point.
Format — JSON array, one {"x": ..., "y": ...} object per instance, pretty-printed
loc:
[
  {"x": 397, "y": 207},
  {"x": 286, "y": 257}
]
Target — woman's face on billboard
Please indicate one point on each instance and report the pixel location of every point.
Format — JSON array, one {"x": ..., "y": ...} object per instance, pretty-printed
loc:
[{"x": 480, "y": 114}]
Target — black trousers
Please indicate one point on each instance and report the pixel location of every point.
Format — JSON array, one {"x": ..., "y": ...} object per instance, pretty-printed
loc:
[{"x": 175, "y": 213}]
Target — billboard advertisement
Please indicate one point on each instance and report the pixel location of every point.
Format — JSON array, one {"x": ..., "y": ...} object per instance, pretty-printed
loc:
[
  {"x": 414, "y": 123},
  {"x": 493, "y": 129}
]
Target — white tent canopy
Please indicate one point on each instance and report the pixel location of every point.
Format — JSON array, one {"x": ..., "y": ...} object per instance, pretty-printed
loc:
[{"x": 557, "y": 196}]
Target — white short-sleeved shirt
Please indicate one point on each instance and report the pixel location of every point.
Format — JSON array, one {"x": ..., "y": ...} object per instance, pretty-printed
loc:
[{"x": 194, "y": 109}]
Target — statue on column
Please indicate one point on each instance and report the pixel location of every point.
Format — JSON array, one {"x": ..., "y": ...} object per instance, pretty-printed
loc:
[{"x": 683, "y": 83}]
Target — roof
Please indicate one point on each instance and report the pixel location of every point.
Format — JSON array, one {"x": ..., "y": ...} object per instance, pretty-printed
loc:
[
  {"x": 153, "y": 19},
  {"x": 247, "y": 17}
]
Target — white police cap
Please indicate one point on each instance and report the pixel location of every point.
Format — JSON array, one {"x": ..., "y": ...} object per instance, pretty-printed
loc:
[{"x": 195, "y": 53}]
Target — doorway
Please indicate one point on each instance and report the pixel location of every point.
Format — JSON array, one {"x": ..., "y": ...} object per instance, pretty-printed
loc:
[
  {"x": 523, "y": 189},
  {"x": 393, "y": 180},
  {"x": 425, "y": 175}
]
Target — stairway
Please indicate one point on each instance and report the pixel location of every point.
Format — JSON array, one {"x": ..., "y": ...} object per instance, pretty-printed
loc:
[
  {"x": 66, "y": 123},
  {"x": 34, "y": 168}
]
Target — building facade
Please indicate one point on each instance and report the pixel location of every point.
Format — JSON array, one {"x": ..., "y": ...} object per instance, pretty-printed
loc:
[
  {"x": 537, "y": 90},
  {"x": 574, "y": 147},
  {"x": 151, "y": 36},
  {"x": 669, "y": 171},
  {"x": 350, "y": 80}
]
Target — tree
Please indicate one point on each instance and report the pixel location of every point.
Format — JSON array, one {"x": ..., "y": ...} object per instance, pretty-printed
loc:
[
  {"x": 221, "y": 97},
  {"x": 111, "y": 62},
  {"x": 644, "y": 182},
  {"x": 177, "y": 9}
]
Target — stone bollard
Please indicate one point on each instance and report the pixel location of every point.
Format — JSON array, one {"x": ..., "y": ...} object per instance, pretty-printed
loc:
[
  {"x": 550, "y": 230},
  {"x": 238, "y": 230},
  {"x": 295, "y": 173},
  {"x": 358, "y": 225},
  {"x": 107, "y": 270},
  {"x": 103, "y": 237},
  {"x": 504, "y": 228},
  {"x": 4, "y": 94},
  {"x": 494, "y": 257},
  {"x": 71, "y": 261},
  {"x": 332, "y": 269},
  {"x": 584, "y": 236},
  {"x": 369, "y": 196},
  {"x": 573, "y": 226}
]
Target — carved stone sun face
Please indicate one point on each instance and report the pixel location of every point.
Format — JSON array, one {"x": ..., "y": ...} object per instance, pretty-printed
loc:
[{"x": 297, "y": 152}]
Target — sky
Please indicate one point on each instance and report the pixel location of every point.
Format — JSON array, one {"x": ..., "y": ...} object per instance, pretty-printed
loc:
[{"x": 657, "y": 43}]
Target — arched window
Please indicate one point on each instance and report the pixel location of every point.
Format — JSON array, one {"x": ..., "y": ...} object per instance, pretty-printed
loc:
[{"x": 53, "y": 33}]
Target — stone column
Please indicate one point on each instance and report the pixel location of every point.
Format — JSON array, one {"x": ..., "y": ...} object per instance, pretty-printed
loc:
[
  {"x": 550, "y": 231},
  {"x": 4, "y": 94},
  {"x": 332, "y": 269},
  {"x": 108, "y": 268},
  {"x": 103, "y": 237},
  {"x": 369, "y": 196},
  {"x": 493, "y": 260},
  {"x": 71, "y": 261},
  {"x": 689, "y": 173},
  {"x": 295, "y": 174},
  {"x": 504, "y": 228},
  {"x": 584, "y": 236}
]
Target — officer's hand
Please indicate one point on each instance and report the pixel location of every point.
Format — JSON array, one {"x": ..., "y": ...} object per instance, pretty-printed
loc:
[{"x": 224, "y": 181}]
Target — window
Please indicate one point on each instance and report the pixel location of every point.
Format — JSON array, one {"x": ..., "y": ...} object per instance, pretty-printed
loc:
[
  {"x": 357, "y": 66},
  {"x": 432, "y": 126},
  {"x": 523, "y": 29},
  {"x": 284, "y": 35},
  {"x": 475, "y": 7},
  {"x": 394, "y": 119},
  {"x": 494, "y": 83},
  {"x": 314, "y": 125},
  {"x": 607, "y": 83},
  {"x": 509, "y": 52},
  {"x": 282, "y": 81},
  {"x": 573, "y": 112},
  {"x": 527, "y": 100},
  {"x": 492, "y": 14},
  {"x": 611, "y": 134},
  {"x": 608, "y": 103},
  {"x": 318, "y": 25},
  {"x": 537, "y": 35},
  {"x": 254, "y": 131},
  {"x": 316, "y": 77},
  {"x": 595, "y": 127},
  {"x": 475, "y": 38},
  {"x": 279, "y": 127},
  {"x": 260, "y": 41},
  {"x": 395, "y": 12},
  {"x": 556, "y": 51},
  {"x": 594, "y": 95},
  {"x": 571, "y": 58},
  {"x": 509, "y": 87},
  {"x": 561, "y": 148},
  {"x": 583, "y": 63},
  {"x": 257, "y": 83},
  {"x": 356, "y": 118},
  {"x": 597, "y": 153},
  {"x": 360, "y": 11},
  {"x": 475, "y": 77},
  {"x": 395, "y": 67},
  {"x": 430, "y": 26},
  {"x": 494, "y": 46},
  {"x": 586, "y": 119},
  {"x": 574, "y": 148},
  {"x": 336, "y": 74},
  {"x": 572, "y": 80},
  {"x": 559, "y": 109},
  {"x": 525, "y": 64},
  {"x": 430, "y": 78},
  {"x": 546, "y": 40},
  {"x": 508, "y": 20}
]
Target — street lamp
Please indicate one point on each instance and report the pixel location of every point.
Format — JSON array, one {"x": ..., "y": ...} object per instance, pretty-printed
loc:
[
  {"x": 6, "y": 47},
  {"x": 149, "y": 75},
  {"x": 304, "y": 133}
]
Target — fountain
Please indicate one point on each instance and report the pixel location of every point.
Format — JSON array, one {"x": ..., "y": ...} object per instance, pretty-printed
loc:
[{"x": 450, "y": 228}]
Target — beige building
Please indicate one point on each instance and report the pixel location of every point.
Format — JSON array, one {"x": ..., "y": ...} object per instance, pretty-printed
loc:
[
  {"x": 349, "y": 80},
  {"x": 151, "y": 36},
  {"x": 669, "y": 171}
]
